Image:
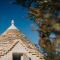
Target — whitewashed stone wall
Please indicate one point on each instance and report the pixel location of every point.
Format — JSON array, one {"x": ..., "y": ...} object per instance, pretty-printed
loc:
[{"x": 18, "y": 49}]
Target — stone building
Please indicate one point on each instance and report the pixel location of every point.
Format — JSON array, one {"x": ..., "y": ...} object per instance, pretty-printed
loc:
[{"x": 15, "y": 46}]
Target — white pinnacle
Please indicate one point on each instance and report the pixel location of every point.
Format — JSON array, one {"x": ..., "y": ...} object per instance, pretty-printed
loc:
[
  {"x": 12, "y": 25},
  {"x": 12, "y": 22}
]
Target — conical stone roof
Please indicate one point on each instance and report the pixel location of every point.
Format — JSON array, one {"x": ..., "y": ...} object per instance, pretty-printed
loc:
[{"x": 11, "y": 37}]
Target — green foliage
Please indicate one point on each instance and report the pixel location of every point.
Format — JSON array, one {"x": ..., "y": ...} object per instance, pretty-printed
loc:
[{"x": 43, "y": 15}]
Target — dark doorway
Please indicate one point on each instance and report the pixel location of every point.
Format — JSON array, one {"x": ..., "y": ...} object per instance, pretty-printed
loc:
[{"x": 16, "y": 56}]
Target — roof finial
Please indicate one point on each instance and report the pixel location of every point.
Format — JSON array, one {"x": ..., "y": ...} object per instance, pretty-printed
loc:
[{"x": 12, "y": 22}]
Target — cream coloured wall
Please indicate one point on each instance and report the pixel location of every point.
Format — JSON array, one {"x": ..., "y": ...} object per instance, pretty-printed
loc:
[{"x": 18, "y": 49}]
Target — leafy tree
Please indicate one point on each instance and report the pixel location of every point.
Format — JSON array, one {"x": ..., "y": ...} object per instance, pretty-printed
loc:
[{"x": 45, "y": 14}]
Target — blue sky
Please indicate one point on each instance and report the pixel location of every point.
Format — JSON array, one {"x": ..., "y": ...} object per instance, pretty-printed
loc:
[{"x": 10, "y": 11}]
